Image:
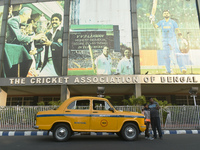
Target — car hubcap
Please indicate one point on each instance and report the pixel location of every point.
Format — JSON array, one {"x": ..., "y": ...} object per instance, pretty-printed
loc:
[
  {"x": 130, "y": 132},
  {"x": 61, "y": 133}
]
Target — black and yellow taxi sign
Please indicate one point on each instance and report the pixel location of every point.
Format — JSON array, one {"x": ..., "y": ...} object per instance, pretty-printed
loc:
[{"x": 104, "y": 123}]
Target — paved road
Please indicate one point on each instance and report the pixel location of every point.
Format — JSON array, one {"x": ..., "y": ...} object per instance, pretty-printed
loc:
[{"x": 169, "y": 142}]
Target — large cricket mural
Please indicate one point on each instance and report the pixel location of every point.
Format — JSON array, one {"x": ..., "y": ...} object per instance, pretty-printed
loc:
[
  {"x": 34, "y": 40},
  {"x": 168, "y": 36},
  {"x": 100, "y": 38}
]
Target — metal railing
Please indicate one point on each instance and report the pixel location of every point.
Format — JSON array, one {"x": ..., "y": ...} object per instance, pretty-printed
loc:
[
  {"x": 182, "y": 117},
  {"x": 172, "y": 117},
  {"x": 20, "y": 117}
]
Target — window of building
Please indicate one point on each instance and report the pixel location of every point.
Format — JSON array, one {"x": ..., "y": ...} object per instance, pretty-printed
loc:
[
  {"x": 186, "y": 100},
  {"x": 20, "y": 101},
  {"x": 49, "y": 100}
]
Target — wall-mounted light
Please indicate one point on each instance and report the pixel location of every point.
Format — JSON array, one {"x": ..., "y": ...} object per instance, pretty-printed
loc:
[{"x": 100, "y": 91}]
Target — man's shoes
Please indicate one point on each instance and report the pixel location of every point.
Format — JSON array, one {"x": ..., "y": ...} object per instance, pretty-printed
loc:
[
  {"x": 161, "y": 138},
  {"x": 146, "y": 138},
  {"x": 150, "y": 138}
]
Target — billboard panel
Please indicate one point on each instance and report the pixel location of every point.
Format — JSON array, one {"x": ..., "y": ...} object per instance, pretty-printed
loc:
[
  {"x": 100, "y": 38},
  {"x": 169, "y": 37},
  {"x": 1, "y": 16},
  {"x": 34, "y": 40}
]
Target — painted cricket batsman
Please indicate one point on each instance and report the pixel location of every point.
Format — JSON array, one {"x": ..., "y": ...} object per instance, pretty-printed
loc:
[
  {"x": 170, "y": 45},
  {"x": 103, "y": 63}
]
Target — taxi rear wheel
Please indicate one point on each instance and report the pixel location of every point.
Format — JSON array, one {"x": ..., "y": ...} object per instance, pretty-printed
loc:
[
  {"x": 130, "y": 132},
  {"x": 61, "y": 132}
]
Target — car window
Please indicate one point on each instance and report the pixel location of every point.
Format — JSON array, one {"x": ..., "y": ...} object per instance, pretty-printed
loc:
[
  {"x": 80, "y": 105},
  {"x": 72, "y": 105},
  {"x": 100, "y": 105}
]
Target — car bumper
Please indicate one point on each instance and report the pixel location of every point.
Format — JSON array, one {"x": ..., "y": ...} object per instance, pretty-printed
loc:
[
  {"x": 143, "y": 128},
  {"x": 36, "y": 127}
]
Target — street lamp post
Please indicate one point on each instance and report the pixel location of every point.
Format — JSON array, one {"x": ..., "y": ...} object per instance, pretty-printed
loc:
[{"x": 193, "y": 93}]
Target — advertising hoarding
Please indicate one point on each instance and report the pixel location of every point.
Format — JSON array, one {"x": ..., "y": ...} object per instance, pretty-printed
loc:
[
  {"x": 94, "y": 35},
  {"x": 34, "y": 40},
  {"x": 91, "y": 31},
  {"x": 100, "y": 38},
  {"x": 168, "y": 37},
  {"x": 1, "y": 16}
]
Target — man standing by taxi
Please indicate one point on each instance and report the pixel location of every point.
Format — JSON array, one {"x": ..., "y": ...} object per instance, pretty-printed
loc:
[{"x": 155, "y": 119}]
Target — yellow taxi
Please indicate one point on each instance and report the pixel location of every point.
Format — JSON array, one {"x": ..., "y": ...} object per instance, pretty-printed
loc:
[{"x": 89, "y": 114}]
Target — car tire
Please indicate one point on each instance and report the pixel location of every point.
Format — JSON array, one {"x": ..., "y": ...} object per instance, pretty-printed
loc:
[
  {"x": 129, "y": 132},
  {"x": 61, "y": 132},
  {"x": 119, "y": 134}
]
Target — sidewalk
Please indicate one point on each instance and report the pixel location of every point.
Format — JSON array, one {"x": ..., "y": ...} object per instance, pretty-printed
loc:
[{"x": 45, "y": 133}]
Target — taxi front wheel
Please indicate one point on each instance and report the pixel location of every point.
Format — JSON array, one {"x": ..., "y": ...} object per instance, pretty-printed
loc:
[
  {"x": 61, "y": 132},
  {"x": 130, "y": 132}
]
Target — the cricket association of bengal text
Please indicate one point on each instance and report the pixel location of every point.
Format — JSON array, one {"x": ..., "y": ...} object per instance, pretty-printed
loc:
[{"x": 109, "y": 79}]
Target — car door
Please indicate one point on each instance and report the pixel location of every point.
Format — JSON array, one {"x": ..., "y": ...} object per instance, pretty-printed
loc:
[
  {"x": 78, "y": 114},
  {"x": 102, "y": 119}
]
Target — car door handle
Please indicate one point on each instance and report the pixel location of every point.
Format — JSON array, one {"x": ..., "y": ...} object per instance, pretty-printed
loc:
[
  {"x": 95, "y": 112},
  {"x": 67, "y": 111}
]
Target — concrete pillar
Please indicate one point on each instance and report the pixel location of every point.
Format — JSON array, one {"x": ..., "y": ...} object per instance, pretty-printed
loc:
[
  {"x": 3, "y": 97},
  {"x": 137, "y": 91},
  {"x": 65, "y": 93},
  {"x": 135, "y": 44}
]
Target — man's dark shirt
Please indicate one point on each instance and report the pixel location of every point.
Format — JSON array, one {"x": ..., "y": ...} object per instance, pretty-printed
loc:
[{"x": 154, "y": 112}]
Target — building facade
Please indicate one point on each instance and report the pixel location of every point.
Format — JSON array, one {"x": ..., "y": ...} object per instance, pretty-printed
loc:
[{"x": 52, "y": 50}]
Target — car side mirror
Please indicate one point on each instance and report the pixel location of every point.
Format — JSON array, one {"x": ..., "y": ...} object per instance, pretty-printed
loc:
[{"x": 111, "y": 109}]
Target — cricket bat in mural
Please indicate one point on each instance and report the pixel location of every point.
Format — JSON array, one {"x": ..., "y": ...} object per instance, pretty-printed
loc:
[
  {"x": 153, "y": 11},
  {"x": 92, "y": 58}
]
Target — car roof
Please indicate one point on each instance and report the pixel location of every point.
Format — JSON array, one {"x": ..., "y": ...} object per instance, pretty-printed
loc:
[{"x": 71, "y": 99}]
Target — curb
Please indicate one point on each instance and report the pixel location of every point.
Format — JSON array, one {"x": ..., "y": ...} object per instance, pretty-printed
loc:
[{"x": 45, "y": 133}]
